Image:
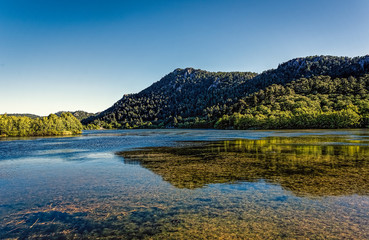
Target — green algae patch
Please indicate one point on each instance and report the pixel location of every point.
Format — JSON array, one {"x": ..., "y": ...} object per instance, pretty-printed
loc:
[{"x": 308, "y": 166}]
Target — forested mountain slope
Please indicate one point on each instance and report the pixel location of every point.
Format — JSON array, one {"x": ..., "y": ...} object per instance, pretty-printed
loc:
[
  {"x": 183, "y": 93},
  {"x": 316, "y": 102},
  {"x": 197, "y": 98}
]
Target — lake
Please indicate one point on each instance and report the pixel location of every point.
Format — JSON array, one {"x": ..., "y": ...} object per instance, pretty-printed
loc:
[{"x": 186, "y": 184}]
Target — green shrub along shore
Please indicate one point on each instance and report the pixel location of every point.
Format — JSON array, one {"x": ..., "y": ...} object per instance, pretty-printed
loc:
[{"x": 21, "y": 126}]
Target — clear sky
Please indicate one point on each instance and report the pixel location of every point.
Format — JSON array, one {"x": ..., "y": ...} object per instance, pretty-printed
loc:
[{"x": 85, "y": 54}]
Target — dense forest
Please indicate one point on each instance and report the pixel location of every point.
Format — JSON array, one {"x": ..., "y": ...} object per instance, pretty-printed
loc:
[
  {"x": 19, "y": 126},
  {"x": 311, "y": 92},
  {"x": 317, "y": 102}
]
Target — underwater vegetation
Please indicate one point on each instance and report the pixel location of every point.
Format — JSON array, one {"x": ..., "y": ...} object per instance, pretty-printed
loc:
[{"x": 308, "y": 166}]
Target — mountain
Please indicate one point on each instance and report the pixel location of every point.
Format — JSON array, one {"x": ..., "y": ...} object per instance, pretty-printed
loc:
[
  {"x": 309, "y": 67},
  {"x": 197, "y": 98},
  {"x": 183, "y": 93}
]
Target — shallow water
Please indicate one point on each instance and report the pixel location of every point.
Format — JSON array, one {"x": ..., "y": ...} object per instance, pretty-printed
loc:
[{"x": 186, "y": 184}]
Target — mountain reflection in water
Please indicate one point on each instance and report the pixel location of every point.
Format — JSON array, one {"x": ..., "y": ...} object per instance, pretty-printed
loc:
[{"x": 308, "y": 165}]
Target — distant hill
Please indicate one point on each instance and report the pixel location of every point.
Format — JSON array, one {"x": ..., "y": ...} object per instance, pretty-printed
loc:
[
  {"x": 33, "y": 116},
  {"x": 197, "y": 98},
  {"x": 80, "y": 115}
]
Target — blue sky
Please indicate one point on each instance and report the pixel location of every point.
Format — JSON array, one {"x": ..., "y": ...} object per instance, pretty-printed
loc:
[{"x": 85, "y": 54}]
